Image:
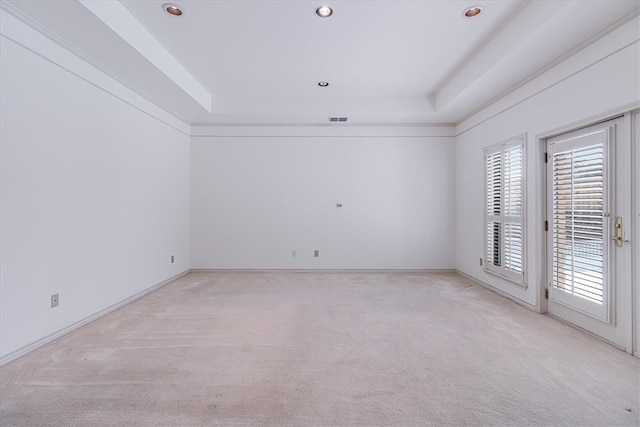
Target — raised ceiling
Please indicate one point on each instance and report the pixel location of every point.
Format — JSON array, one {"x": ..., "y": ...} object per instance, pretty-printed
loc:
[{"x": 259, "y": 62}]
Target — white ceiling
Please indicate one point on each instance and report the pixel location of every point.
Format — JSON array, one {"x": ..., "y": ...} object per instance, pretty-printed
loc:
[{"x": 260, "y": 61}]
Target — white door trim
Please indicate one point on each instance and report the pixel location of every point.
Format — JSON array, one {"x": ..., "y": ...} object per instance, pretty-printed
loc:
[{"x": 621, "y": 337}]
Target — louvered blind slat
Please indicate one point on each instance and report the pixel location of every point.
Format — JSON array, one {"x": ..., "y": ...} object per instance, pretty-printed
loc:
[
  {"x": 513, "y": 247},
  {"x": 578, "y": 183},
  {"x": 494, "y": 184},
  {"x": 504, "y": 190},
  {"x": 513, "y": 181}
]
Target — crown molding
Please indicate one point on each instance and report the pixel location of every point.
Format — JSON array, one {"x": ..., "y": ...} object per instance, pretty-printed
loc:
[
  {"x": 24, "y": 31},
  {"x": 324, "y": 130},
  {"x": 608, "y": 42}
]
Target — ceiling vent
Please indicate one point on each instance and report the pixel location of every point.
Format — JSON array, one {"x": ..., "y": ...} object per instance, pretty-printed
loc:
[{"x": 337, "y": 119}]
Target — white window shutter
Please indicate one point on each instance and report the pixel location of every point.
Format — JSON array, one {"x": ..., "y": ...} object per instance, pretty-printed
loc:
[
  {"x": 578, "y": 211},
  {"x": 504, "y": 191}
]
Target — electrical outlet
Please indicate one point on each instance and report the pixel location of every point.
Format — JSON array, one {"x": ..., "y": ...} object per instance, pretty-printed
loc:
[
  {"x": 294, "y": 253},
  {"x": 338, "y": 205},
  {"x": 316, "y": 253},
  {"x": 55, "y": 300},
  {"x": 172, "y": 259}
]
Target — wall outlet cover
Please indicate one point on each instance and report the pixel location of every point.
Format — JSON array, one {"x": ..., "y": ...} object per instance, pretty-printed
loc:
[{"x": 55, "y": 300}]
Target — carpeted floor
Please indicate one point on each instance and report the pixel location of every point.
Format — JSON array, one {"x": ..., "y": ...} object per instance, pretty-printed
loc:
[{"x": 322, "y": 349}]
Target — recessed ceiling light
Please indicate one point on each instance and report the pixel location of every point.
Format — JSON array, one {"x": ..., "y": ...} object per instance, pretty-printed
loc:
[
  {"x": 324, "y": 11},
  {"x": 172, "y": 9},
  {"x": 323, "y": 84},
  {"x": 472, "y": 12}
]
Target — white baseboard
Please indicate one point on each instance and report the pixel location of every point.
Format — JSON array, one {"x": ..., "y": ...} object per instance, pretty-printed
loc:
[
  {"x": 533, "y": 308},
  {"x": 37, "y": 344},
  {"x": 33, "y": 346},
  {"x": 498, "y": 291},
  {"x": 342, "y": 271}
]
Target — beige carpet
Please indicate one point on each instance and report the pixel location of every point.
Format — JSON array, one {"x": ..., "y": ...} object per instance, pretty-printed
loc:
[{"x": 322, "y": 349}]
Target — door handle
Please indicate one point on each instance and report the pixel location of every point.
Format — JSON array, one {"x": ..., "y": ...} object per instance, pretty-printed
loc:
[{"x": 618, "y": 232}]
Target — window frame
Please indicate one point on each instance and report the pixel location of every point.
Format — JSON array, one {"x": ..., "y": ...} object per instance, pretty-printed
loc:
[{"x": 501, "y": 271}]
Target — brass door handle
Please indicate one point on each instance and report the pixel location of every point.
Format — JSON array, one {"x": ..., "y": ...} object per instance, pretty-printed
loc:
[{"x": 618, "y": 231}]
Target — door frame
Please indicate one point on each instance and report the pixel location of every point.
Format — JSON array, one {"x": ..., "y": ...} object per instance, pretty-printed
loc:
[
  {"x": 631, "y": 296},
  {"x": 604, "y": 312}
]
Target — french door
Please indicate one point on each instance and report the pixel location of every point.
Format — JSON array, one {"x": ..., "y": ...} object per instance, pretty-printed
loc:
[{"x": 589, "y": 219}]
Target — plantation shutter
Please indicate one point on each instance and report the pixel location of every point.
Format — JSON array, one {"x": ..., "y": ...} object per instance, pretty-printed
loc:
[
  {"x": 504, "y": 192},
  {"x": 494, "y": 208},
  {"x": 578, "y": 213}
]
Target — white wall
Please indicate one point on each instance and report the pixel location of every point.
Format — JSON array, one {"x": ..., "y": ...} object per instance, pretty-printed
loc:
[
  {"x": 590, "y": 85},
  {"x": 255, "y": 199},
  {"x": 94, "y": 192}
]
